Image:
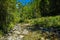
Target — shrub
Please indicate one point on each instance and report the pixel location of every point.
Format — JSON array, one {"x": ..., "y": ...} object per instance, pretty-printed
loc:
[
  {"x": 46, "y": 21},
  {"x": 8, "y": 15}
]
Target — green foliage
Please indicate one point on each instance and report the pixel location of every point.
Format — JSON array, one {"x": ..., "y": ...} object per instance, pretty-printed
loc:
[
  {"x": 29, "y": 11},
  {"x": 46, "y": 21},
  {"x": 39, "y": 8},
  {"x": 8, "y": 15},
  {"x": 49, "y": 7}
]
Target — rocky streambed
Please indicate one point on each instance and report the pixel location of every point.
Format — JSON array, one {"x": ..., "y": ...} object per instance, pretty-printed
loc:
[
  {"x": 25, "y": 32},
  {"x": 17, "y": 33}
]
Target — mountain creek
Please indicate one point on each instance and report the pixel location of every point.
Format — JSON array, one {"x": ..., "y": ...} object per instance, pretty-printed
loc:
[{"x": 25, "y": 32}]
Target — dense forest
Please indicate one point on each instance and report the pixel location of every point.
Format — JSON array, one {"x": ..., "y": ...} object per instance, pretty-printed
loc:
[{"x": 45, "y": 13}]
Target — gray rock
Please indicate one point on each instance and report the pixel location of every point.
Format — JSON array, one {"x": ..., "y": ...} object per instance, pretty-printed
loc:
[
  {"x": 17, "y": 27},
  {"x": 9, "y": 34},
  {"x": 16, "y": 32},
  {"x": 48, "y": 39},
  {"x": 25, "y": 31},
  {"x": 21, "y": 36},
  {"x": 10, "y": 38},
  {"x": 42, "y": 38}
]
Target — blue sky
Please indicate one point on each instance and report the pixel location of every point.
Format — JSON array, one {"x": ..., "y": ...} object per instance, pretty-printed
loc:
[{"x": 24, "y": 2}]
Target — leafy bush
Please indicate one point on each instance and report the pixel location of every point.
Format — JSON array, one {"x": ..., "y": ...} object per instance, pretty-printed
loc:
[
  {"x": 8, "y": 15},
  {"x": 39, "y": 8},
  {"x": 29, "y": 11},
  {"x": 46, "y": 21}
]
